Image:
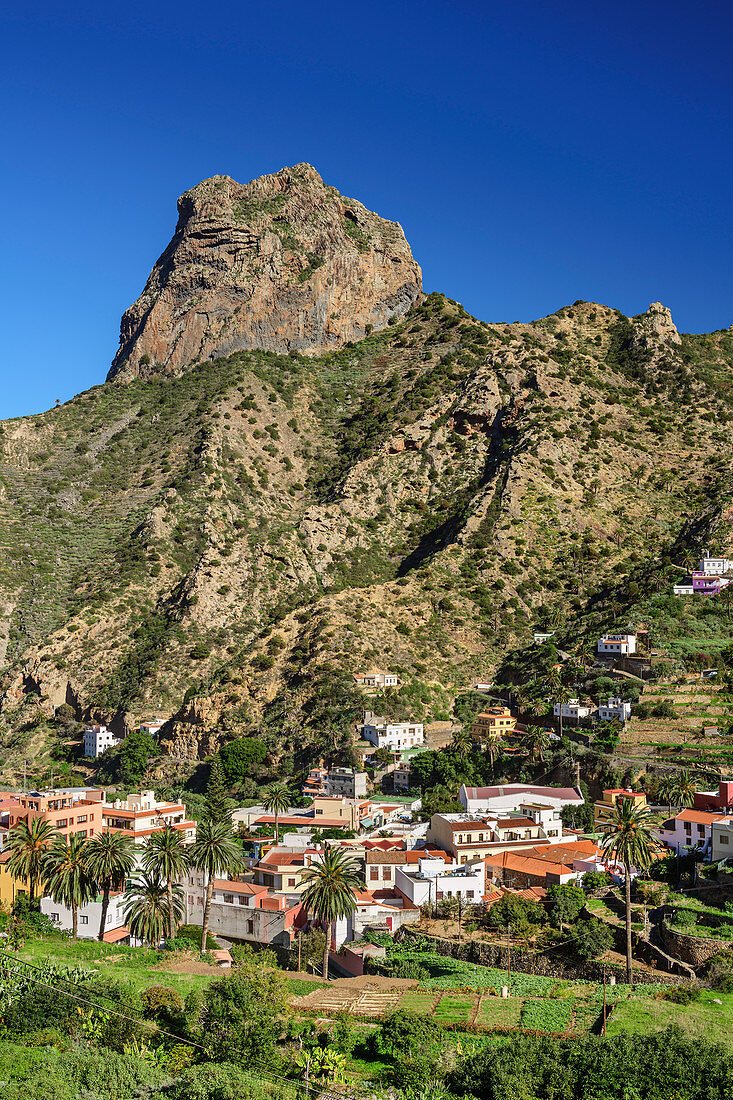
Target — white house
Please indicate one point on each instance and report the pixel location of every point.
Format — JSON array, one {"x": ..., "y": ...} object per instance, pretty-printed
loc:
[
  {"x": 690, "y": 829},
  {"x": 715, "y": 565},
  {"x": 153, "y": 726},
  {"x": 511, "y": 797},
  {"x": 617, "y": 645},
  {"x": 541, "y": 636},
  {"x": 433, "y": 880},
  {"x": 392, "y": 735},
  {"x": 683, "y": 589},
  {"x": 89, "y": 916},
  {"x": 97, "y": 739},
  {"x": 376, "y": 679},
  {"x": 573, "y": 709},
  {"x": 614, "y": 710}
]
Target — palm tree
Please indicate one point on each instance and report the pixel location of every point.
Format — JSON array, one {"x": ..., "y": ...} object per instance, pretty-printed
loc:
[
  {"x": 151, "y": 907},
  {"x": 214, "y": 851},
  {"x": 28, "y": 841},
  {"x": 462, "y": 743},
  {"x": 166, "y": 857},
  {"x": 685, "y": 788},
  {"x": 110, "y": 858},
  {"x": 536, "y": 739},
  {"x": 493, "y": 739},
  {"x": 329, "y": 891},
  {"x": 276, "y": 801},
  {"x": 66, "y": 875},
  {"x": 628, "y": 839}
]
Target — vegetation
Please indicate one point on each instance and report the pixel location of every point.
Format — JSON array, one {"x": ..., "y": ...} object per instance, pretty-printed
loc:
[{"x": 329, "y": 893}]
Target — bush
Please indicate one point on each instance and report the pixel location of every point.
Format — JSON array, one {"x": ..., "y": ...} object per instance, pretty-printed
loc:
[
  {"x": 665, "y": 709},
  {"x": 595, "y": 880},
  {"x": 240, "y": 756},
  {"x": 591, "y": 938}
]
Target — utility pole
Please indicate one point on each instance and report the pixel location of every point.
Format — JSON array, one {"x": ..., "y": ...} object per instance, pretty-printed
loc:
[
  {"x": 459, "y": 918},
  {"x": 603, "y": 1027},
  {"x": 508, "y": 956},
  {"x": 299, "y": 935}
]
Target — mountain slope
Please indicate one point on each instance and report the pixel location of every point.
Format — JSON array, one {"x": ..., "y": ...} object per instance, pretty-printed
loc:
[{"x": 225, "y": 541}]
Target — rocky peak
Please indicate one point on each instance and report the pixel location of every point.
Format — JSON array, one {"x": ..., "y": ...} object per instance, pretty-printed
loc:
[
  {"x": 656, "y": 326},
  {"x": 282, "y": 263}
]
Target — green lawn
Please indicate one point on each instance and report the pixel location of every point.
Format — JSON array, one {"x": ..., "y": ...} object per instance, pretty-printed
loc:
[
  {"x": 546, "y": 1014},
  {"x": 701, "y": 1018},
  {"x": 422, "y": 1003},
  {"x": 456, "y": 1009},
  {"x": 502, "y": 1012}
]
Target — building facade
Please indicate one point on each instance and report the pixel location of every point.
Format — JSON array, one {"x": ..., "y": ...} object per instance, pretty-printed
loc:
[
  {"x": 97, "y": 739},
  {"x": 396, "y": 736},
  {"x": 616, "y": 645}
]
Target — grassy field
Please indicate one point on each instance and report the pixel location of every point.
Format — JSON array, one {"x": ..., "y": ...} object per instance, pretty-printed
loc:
[
  {"x": 702, "y": 1018},
  {"x": 136, "y": 965}
]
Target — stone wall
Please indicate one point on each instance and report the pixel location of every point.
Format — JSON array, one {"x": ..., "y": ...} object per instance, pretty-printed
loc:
[
  {"x": 694, "y": 950},
  {"x": 529, "y": 962}
]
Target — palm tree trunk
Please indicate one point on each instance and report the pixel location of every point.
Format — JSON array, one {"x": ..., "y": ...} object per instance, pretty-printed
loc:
[
  {"x": 277, "y": 834},
  {"x": 171, "y": 914},
  {"x": 105, "y": 907},
  {"x": 207, "y": 912},
  {"x": 74, "y": 919},
  {"x": 627, "y": 891}
]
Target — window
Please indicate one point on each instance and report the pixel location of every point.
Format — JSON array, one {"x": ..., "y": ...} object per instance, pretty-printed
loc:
[
  {"x": 62, "y": 822},
  {"x": 229, "y": 898},
  {"x": 373, "y": 873},
  {"x": 250, "y": 927},
  {"x": 243, "y": 900},
  {"x": 291, "y": 882},
  {"x": 723, "y": 838},
  {"x": 55, "y": 918},
  {"x": 81, "y": 832},
  {"x": 701, "y": 830},
  {"x": 83, "y": 919},
  {"x": 80, "y": 820}
]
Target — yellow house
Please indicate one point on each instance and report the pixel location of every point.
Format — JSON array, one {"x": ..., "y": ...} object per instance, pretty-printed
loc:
[
  {"x": 10, "y": 887},
  {"x": 611, "y": 797},
  {"x": 493, "y": 724}
]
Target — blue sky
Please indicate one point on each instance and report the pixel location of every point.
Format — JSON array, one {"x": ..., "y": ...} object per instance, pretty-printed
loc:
[{"x": 534, "y": 152}]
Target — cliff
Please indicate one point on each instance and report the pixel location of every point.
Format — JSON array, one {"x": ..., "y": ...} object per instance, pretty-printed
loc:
[{"x": 284, "y": 263}]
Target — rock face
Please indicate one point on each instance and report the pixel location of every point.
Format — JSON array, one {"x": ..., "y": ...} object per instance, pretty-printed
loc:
[{"x": 282, "y": 263}]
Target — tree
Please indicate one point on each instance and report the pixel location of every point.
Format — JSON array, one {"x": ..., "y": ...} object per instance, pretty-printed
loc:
[
  {"x": 566, "y": 902},
  {"x": 27, "y": 842},
  {"x": 214, "y": 851},
  {"x": 136, "y": 750},
  {"x": 166, "y": 857},
  {"x": 110, "y": 858},
  {"x": 66, "y": 875},
  {"x": 242, "y": 1012},
  {"x": 240, "y": 756},
  {"x": 684, "y": 788},
  {"x": 329, "y": 893},
  {"x": 462, "y": 743},
  {"x": 217, "y": 804},
  {"x": 628, "y": 838},
  {"x": 147, "y": 912},
  {"x": 276, "y": 801},
  {"x": 536, "y": 740}
]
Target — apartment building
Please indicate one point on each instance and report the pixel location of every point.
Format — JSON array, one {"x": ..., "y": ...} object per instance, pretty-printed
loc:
[
  {"x": 78, "y": 812},
  {"x": 466, "y": 837},
  {"x": 432, "y": 879},
  {"x": 97, "y": 739},
  {"x": 615, "y": 709},
  {"x": 616, "y": 645},
  {"x": 142, "y": 814},
  {"x": 692, "y": 829}
]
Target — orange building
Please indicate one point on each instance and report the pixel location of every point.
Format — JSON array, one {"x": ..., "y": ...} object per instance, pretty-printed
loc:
[
  {"x": 612, "y": 796},
  {"x": 71, "y": 812}
]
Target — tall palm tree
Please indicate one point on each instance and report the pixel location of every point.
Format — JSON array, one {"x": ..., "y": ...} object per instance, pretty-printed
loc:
[
  {"x": 166, "y": 857},
  {"x": 330, "y": 891},
  {"x": 150, "y": 907},
  {"x": 536, "y": 739},
  {"x": 493, "y": 739},
  {"x": 66, "y": 875},
  {"x": 214, "y": 851},
  {"x": 462, "y": 742},
  {"x": 111, "y": 857},
  {"x": 28, "y": 841},
  {"x": 685, "y": 788},
  {"x": 629, "y": 840},
  {"x": 276, "y": 801}
]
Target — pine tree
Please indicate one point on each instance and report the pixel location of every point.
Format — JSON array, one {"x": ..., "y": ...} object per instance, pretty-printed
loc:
[{"x": 217, "y": 805}]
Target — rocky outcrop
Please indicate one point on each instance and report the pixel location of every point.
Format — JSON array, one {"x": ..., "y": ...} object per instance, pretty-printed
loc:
[
  {"x": 655, "y": 328},
  {"x": 284, "y": 263}
]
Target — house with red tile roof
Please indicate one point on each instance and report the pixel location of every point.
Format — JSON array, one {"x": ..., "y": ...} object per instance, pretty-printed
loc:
[{"x": 691, "y": 830}]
